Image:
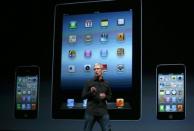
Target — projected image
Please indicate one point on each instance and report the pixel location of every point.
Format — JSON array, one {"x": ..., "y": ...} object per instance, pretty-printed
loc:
[{"x": 104, "y": 38}]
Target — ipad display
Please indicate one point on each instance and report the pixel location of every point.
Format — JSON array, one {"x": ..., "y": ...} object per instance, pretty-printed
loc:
[
  {"x": 102, "y": 37},
  {"x": 108, "y": 35}
]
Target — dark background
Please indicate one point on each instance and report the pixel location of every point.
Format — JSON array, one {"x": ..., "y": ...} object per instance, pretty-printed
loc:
[{"x": 26, "y": 32}]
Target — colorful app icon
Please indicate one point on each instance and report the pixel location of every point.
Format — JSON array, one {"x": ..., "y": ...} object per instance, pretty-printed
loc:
[
  {"x": 174, "y": 99},
  {"x": 87, "y": 67},
  {"x": 70, "y": 103},
  {"x": 162, "y": 99},
  {"x": 72, "y": 39},
  {"x": 120, "y": 52},
  {"x": 72, "y": 53},
  {"x": 180, "y": 92},
  {"x": 161, "y": 92},
  {"x": 120, "y": 67},
  {"x": 173, "y": 84},
  {"x": 23, "y": 106},
  {"x": 161, "y": 108},
  {"x": 167, "y": 92},
  {"x": 19, "y": 92},
  {"x": 29, "y": 92},
  {"x": 104, "y": 23},
  {"x": 104, "y": 37},
  {"x": 180, "y": 108},
  {"x": 161, "y": 84},
  {"x": 104, "y": 67},
  {"x": 167, "y": 84},
  {"x": 173, "y": 92},
  {"x": 24, "y": 92},
  {"x": 88, "y": 38},
  {"x": 19, "y": 81},
  {"x": 180, "y": 84},
  {"x": 33, "y": 92},
  {"x": 173, "y": 108},
  {"x": 34, "y": 79},
  {"x": 161, "y": 78},
  {"x": 87, "y": 53},
  {"x": 180, "y": 100},
  {"x": 168, "y": 109},
  {"x": 120, "y": 22},
  {"x": 173, "y": 77},
  {"x": 180, "y": 77},
  {"x": 167, "y": 99},
  {"x": 33, "y": 99},
  {"x": 28, "y": 98},
  {"x": 71, "y": 68},
  {"x": 166, "y": 78},
  {"x": 85, "y": 103},
  {"x": 103, "y": 52},
  {"x": 120, "y": 102},
  {"x": 23, "y": 98},
  {"x": 72, "y": 25},
  {"x": 19, "y": 98},
  {"x": 88, "y": 23},
  {"x": 121, "y": 36},
  {"x": 28, "y": 106},
  {"x": 18, "y": 107},
  {"x": 33, "y": 106}
]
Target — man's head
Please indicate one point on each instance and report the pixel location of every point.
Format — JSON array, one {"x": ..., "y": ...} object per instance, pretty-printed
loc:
[{"x": 98, "y": 70}]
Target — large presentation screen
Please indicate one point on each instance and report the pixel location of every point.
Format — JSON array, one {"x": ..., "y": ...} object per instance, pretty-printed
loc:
[{"x": 105, "y": 34}]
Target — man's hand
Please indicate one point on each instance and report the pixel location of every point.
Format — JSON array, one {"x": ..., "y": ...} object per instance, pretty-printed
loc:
[
  {"x": 93, "y": 89},
  {"x": 102, "y": 95}
]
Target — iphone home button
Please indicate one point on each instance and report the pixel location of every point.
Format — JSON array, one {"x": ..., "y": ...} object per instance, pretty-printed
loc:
[{"x": 170, "y": 116}]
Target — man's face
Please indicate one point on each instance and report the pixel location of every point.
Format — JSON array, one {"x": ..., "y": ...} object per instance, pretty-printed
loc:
[{"x": 98, "y": 70}]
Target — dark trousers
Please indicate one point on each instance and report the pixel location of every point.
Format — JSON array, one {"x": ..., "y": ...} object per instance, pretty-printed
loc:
[{"x": 102, "y": 120}]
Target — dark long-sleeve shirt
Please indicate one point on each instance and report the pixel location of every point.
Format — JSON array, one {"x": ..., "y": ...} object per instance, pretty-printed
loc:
[{"x": 96, "y": 105}]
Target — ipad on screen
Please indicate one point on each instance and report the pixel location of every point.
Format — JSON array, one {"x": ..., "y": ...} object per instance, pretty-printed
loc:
[{"x": 106, "y": 32}]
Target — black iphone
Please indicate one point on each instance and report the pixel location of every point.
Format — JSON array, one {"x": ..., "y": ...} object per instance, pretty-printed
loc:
[
  {"x": 171, "y": 88},
  {"x": 26, "y": 91}
]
